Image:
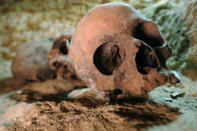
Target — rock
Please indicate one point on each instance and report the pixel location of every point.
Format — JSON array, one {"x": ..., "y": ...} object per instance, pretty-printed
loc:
[
  {"x": 177, "y": 94},
  {"x": 168, "y": 99}
]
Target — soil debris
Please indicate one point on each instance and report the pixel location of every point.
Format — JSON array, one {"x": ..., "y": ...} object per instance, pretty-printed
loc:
[
  {"x": 175, "y": 95},
  {"x": 53, "y": 110}
]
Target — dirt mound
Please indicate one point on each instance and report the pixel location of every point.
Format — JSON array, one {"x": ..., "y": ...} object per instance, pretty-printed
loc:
[{"x": 54, "y": 110}]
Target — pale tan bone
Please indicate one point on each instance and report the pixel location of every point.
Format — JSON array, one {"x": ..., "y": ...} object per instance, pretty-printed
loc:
[{"x": 114, "y": 49}]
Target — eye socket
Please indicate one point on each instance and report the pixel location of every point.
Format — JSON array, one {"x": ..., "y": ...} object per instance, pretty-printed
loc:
[
  {"x": 145, "y": 60},
  {"x": 63, "y": 48},
  {"x": 56, "y": 65},
  {"x": 107, "y": 58},
  {"x": 149, "y": 33},
  {"x": 61, "y": 45}
]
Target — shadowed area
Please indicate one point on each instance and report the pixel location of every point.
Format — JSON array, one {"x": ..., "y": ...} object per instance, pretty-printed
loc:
[{"x": 9, "y": 84}]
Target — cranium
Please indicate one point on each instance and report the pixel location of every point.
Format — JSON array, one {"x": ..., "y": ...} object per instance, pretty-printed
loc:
[
  {"x": 115, "y": 50},
  {"x": 31, "y": 62},
  {"x": 59, "y": 59}
]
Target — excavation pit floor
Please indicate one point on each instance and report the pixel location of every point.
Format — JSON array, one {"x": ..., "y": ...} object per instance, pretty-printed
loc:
[{"x": 53, "y": 105}]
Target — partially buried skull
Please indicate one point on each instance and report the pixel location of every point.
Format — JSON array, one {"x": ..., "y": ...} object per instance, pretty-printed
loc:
[
  {"x": 31, "y": 62},
  {"x": 115, "y": 50},
  {"x": 43, "y": 59}
]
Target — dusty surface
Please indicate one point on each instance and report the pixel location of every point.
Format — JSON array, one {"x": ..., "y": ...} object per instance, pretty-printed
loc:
[
  {"x": 34, "y": 108},
  {"x": 50, "y": 109}
]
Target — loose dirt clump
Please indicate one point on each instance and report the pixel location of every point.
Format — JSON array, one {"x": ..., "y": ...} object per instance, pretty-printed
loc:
[{"x": 54, "y": 110}]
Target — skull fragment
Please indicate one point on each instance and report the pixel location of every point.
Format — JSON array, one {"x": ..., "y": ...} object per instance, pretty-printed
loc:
[
  {"x": 59, "y": 60},
  {"x": 31, "y": 62}
]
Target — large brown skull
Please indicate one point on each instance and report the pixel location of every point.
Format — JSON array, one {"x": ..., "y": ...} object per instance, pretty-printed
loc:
[{"x": 116, "y": 50}]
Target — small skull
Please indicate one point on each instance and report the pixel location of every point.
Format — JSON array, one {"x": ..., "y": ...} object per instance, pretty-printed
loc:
[
  {"x": 59, "y": 59},
  {"x": 31, "y": 62},
  {"x": 116, "y": 50}
]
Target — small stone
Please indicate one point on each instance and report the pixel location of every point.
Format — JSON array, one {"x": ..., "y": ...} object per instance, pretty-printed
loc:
[
  {"x": 168, "y": 99},
  {"x": 177, "y": 94},
  {"x": 194, "y": 94},
  {"x": 179, "y": 85},
  {"x": 167, "y": 90},
  {"x": 19, "y": 92}
]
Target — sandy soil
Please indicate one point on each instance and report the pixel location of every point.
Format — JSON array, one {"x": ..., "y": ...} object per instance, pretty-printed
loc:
[{"x": 53, "y": 105}]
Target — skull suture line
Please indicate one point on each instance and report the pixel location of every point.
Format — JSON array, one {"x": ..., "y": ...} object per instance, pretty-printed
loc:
[{"x": 116, "y": 50}]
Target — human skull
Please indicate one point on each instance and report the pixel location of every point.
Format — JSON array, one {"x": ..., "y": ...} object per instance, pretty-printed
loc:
[
  {"x": 59, "y": 59},
  {"x": 31, "y": 62},
  {"x": 115, "y": 50}
]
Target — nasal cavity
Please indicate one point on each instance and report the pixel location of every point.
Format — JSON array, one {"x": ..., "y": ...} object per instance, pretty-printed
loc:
[
  {"x": 107, "y": 58},
  {"x": 145, "y": 59}
]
